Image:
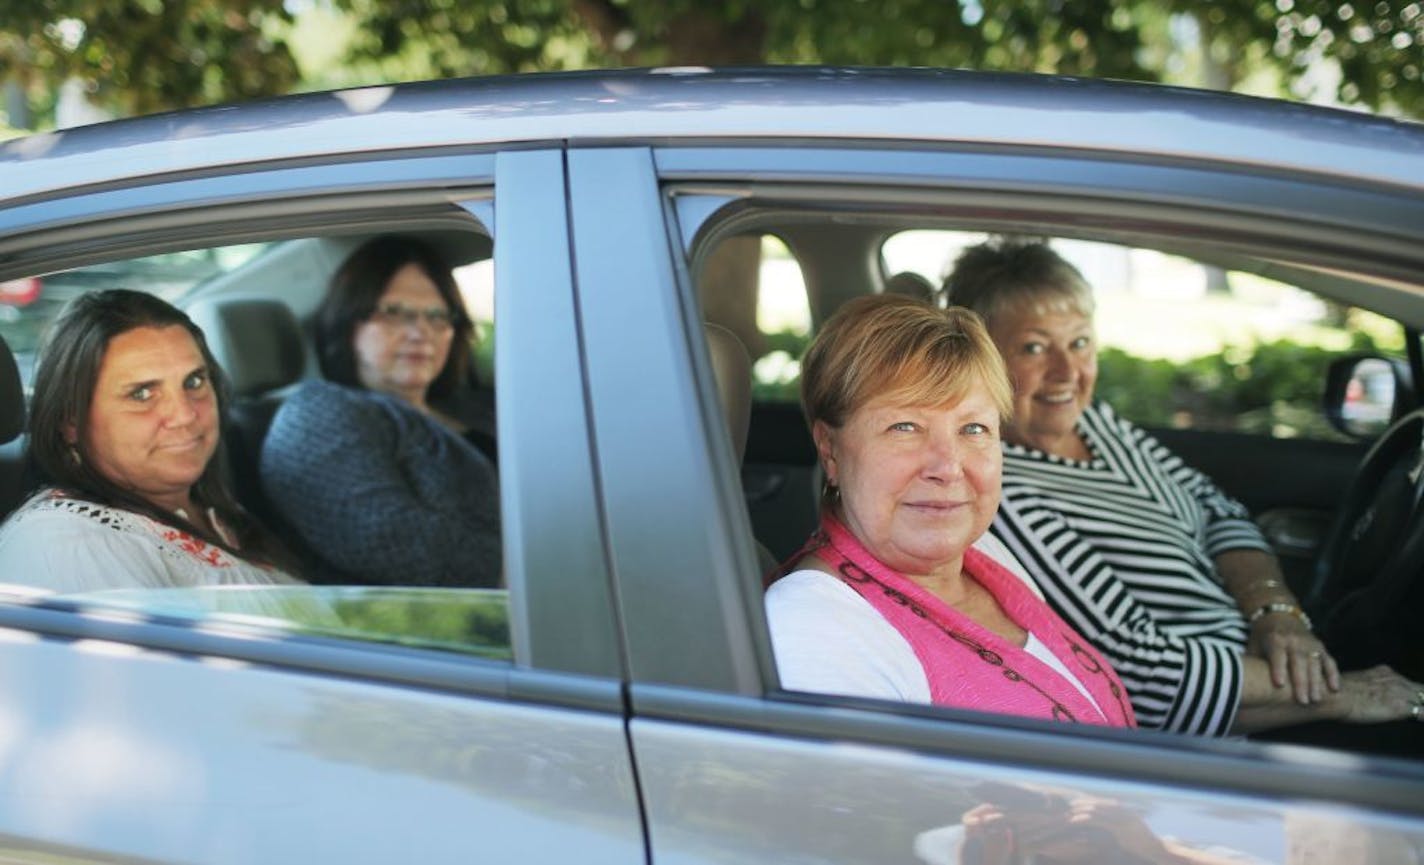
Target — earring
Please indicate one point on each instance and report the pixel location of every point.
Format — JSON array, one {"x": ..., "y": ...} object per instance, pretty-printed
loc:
[{"x": 74, "y": 457}]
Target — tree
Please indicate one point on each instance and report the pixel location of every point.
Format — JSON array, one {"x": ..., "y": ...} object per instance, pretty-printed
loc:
[
  {"x": 461, "y": 37},
  {"x": 1379, "y": 46},
  {"x": 141, "y": 55}
]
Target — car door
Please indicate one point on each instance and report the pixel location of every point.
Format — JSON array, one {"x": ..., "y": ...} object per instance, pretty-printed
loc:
[
  {"x": 731, "y": 768},
  {"x": 163, "y": 730}
]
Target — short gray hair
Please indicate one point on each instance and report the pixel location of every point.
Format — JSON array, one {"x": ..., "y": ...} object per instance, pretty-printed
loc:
[{"x": 1019, "y": 274}]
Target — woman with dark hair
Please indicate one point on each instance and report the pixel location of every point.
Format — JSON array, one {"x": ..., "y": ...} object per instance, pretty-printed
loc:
[
  {"x": 379, "y": 483},
  {"x": 124, "y": 429}
]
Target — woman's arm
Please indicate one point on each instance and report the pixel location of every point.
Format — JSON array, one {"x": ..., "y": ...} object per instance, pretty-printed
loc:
[
  {"x": 332, "y": 466},
  {"x": 1280, "y": 633},
  {"x": 1176, "y": 684},
  {"x": 1370, "y": 696},
  {"x": 1248, "y": 569},
  {"x": 1180, "y": 684}
]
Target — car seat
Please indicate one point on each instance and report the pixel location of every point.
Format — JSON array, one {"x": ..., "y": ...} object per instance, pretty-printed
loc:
[
  {"x": 732, "y": 367},
  {"x": 258, "y": 343},
  {"x": 911, "y": 284},
  {"x": 13, "y": 478}
]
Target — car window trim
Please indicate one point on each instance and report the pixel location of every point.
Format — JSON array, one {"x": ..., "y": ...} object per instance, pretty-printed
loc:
[
  {"x": 683, "y": 619},
  {"x": 594, "y": 653},
  {"x": 108, "y": 237},
  {"x": 370, "y": 662},
  {"x": 1296, "y": 771},
  {"x": 1290, "y": 772},
  {"x": 562, "y": 614},
  {"x": 1386, "y": 270},
  {"x": 255, "y": 184}
]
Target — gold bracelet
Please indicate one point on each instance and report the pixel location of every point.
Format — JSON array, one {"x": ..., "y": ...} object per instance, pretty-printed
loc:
[{"x": 1278, "y": 607}]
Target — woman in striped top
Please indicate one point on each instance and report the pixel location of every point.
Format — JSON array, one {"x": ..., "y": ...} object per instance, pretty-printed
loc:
[{"x": 1143, "y": 555}]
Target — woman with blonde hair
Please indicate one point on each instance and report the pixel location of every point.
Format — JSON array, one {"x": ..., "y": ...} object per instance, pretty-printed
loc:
[{"x": 889, "y": 598}]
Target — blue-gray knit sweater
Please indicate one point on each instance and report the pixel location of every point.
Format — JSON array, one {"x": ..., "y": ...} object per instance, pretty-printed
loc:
[{"x": 381, "y": 492}]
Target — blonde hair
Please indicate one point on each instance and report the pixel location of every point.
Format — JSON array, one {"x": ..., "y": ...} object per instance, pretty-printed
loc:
[
  {"x": 1011, "y": 274},
  {"x": 898, "y": 346}
]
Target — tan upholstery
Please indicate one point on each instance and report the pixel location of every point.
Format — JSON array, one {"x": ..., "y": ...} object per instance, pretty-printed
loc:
[{"x": 732, "y": 367}]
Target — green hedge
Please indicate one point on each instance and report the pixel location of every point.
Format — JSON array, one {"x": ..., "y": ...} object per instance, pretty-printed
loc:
[{"x": 1271, "y": 388}]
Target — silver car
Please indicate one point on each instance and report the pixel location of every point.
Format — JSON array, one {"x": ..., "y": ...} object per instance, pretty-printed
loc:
[{"x": 618, "y": 701}]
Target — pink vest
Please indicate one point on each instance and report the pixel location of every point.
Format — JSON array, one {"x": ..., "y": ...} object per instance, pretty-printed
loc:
[{"x": 969, "y": 666}]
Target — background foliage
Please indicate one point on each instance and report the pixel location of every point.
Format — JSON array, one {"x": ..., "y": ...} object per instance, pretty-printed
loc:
[
  {"x": 134, "y": 56},
  {"x": 1271, "y": 388}
]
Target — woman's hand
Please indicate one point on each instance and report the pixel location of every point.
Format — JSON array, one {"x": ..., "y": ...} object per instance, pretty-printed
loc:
[
  {"x": 1379, "y": 694},
  {"x": 1297, "y": 657},
  {"x": 988, "y": 837},
  {"x": 1084, "y": 829}
]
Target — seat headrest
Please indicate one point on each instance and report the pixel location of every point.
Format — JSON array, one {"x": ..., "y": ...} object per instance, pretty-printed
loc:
[
  {"x": 12, "y": 396},
  {"x": 911, "y": 284},
  {"x": 732, "y": 367},
  {"x": 256, "y": 340}
]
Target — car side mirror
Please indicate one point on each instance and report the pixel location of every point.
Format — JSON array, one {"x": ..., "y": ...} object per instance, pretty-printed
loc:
[{"x": 1365, "y": 393}]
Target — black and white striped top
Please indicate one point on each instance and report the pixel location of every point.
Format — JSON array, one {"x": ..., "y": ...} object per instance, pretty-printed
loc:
[{"x": 1122, "y": 546}]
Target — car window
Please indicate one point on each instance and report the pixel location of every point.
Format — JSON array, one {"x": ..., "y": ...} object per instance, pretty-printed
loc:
[
  {"x": 256, "y": 303},
  {"x": 476, "y": 282},
  {"x": 1192, "y": 347},
  {"x": 28, "y": 304}
]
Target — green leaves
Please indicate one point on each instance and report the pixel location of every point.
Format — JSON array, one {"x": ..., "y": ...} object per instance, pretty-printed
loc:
[
  {"x": 139, "y": 56},
  {"x": 145, "y": 55}
]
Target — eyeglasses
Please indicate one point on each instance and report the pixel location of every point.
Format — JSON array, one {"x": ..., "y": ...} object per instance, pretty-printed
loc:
[{"x": 393, "y": 314}]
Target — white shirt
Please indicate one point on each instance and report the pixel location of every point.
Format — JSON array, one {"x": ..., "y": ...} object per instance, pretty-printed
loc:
[
  {"x": 827, "y": 639},
  {"x": 62, "y": 544}
]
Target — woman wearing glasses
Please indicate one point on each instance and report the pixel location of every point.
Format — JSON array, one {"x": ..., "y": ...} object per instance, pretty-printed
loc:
[{"x": 379, "y": 484}]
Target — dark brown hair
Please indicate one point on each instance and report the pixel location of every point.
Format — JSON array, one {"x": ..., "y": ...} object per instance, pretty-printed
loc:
[
  {"x": 356, "y": 289},
  {"x": 65, "y": 379}
]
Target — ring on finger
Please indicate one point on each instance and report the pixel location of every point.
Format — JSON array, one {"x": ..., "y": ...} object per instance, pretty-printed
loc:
[
  {"x": 1414, "y": 711},
  {"x": 1315, "y": 656}
]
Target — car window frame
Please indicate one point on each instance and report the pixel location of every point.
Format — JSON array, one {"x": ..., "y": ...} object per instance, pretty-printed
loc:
[
  {"x": 79, "y": 227},
  {"x": 709, "y": 192}
]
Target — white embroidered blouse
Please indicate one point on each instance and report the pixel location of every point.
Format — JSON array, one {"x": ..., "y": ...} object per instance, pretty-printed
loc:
[{"x": 61, "y": 543}]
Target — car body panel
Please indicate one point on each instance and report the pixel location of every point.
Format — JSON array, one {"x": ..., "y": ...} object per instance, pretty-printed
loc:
[
  {"x": 895, "y": 105},
  {"x": 720, "y": 796},
  {"x": 256, "y": 764},
  {"x": 562, "y": 607},
  {"x": 684, "y": 609}
]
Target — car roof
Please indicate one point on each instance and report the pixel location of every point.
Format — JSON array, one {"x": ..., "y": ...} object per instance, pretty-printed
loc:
[{"x": 943, "y": 107}]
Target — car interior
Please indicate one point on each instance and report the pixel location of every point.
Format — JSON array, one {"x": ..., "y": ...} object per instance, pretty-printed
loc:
[
  {"x": 1337, "y": 500},
  {"x": 256, "y": 313}
]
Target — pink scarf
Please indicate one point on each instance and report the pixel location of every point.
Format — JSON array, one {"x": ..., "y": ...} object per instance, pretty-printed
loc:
[{"x": 967, "y": 665}]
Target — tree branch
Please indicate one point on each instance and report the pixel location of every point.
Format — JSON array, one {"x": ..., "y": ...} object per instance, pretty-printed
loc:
[{"x": 606, "y": 22}]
